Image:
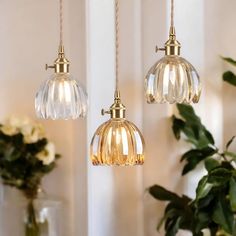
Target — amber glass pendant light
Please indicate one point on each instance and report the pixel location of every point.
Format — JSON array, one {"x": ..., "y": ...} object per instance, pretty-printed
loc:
[
  {"x": 61, "y": 96},
  {"x": 117, "y": 142},
  {"x": 172, "y": 79}
]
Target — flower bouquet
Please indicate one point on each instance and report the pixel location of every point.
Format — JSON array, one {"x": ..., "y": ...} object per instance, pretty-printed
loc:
[{"x": 26, "y": 156}]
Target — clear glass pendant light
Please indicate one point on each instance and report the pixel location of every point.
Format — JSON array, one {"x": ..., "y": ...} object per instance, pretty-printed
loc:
[
  {"x": 61, "y": 96},
  {"x": 172, "y": 79},
  {"x": 117, "y": 142}
]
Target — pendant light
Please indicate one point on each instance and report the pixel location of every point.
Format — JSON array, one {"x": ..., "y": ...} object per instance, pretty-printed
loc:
[
  {"x": 172, "y": 79},
  {"x": 117, "y": 142},
  {"x": 61, "y": 96}
]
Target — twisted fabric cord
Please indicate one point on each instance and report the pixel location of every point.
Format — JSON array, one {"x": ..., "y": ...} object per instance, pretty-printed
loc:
[
  {"x": 61, "y": 22},
  {"x": 117, "y": 43},
  {"x": 172, "y": 13}
]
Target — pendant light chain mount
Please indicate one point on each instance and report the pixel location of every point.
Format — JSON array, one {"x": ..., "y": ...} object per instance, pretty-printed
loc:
[
  {"x": 117, "y": 109},
  {"x": 172, "y": 46},
  {"x": 61, "y": 64}
]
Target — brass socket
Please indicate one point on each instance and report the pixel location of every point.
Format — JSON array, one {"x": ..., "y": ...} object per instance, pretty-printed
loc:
[
  {"x": 172, "y": 46},
  {"x": 61, "y": 64},
  {"x": 117, "y": 109}
]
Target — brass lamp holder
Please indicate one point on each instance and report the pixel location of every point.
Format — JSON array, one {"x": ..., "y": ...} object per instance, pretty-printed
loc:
[
  {"x": 61, "y": 64},
  {"x": 172, "y": 46},
  {"x": 117, "y": 109}
]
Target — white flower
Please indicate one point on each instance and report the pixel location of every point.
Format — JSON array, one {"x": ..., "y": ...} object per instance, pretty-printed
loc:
[
  {"x": 32, "y": 132},
  {"x": 47, "y": 156},
  {"x": 13, "y": 125},
  {"x": 9, "y": 130}
]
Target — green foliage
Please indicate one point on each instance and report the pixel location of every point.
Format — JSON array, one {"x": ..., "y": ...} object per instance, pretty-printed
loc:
[
  {"x": 31, "y": 225},
  {"x": 19, "y": 165},
  {"x": 229, "y": 60},
  {"x": 196, "y": 134},
  {"x": 26, "y": 156},
  {"x": 179, "y": 212},
  {"x": 229, "y": 76},
  {"x": 214, "y": 206}
]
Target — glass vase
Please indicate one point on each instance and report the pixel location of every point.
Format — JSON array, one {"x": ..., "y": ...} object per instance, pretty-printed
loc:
[{"x": 20, "y": 216}]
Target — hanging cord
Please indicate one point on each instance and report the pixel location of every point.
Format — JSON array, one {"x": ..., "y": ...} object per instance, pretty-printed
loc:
[
  {"x": 61, "y": 22},
  {"x": 117, "y": 43},
  {"x": 172, "y": 13}
]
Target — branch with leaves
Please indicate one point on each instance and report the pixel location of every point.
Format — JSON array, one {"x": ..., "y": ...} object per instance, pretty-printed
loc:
[
  {"x": 214, "y": 207},
  {"x": 26, "y": 156},
  {"x": 229, "y": 76}
]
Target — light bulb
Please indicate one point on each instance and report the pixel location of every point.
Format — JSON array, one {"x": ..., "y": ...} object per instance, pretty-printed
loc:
[
  {"x": 61, "y": 96},
  {"x": 172, "y": 79},
  {"x": 117, "y": 142}
]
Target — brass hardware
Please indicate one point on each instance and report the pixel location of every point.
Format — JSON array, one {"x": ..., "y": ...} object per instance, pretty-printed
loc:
[
  {"x": 104, "y": 112},
  {"x": 61, "y": 64},
  {"x": 117, "y": 109},
  {"x": 172, "y": 46},
  {"x": 159, "y": 49},
  {"x": 49, "y": 67}
]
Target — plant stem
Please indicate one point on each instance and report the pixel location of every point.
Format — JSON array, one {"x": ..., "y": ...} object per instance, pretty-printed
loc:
[{"x": 31, "y": 225}]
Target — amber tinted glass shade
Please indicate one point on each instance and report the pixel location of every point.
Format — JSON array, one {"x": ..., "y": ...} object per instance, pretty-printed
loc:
[
  {"x": 117, "y": 142},
  {"x": 172, "y": 80}
]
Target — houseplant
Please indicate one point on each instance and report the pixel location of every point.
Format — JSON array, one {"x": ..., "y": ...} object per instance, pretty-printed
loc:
[
  {"x": 26, "y": 156},
  {"x": 214, "y": 207}
]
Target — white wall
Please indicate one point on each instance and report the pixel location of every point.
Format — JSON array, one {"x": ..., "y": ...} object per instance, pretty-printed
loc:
[
  {"x": 102, "y": 201},
  {"x": 115, "y": 194},
  {"x": 29, "y": 39}
]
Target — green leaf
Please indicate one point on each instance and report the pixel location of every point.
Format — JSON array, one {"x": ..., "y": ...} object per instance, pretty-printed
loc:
[
  {"x": 205, "y": 202},
  {"x": 11, "y": 154},
  {"x": 209, "y": 136},
  {"x": 211, "y": 164},
  {"x": 195, "y": 156},
  {"x": 161, "y": 222},
  {"x": 232, "y": 194},
  {"x": 162, "y": 194},
  {"x": 227, "y": 165},
  {"x": 229, "y": 60},
  {"x": 192, "y": 127},
  {"x": 223, "y": 215},
  {"x": 173, "y": 227},
  {"x": 201, "y": 221},
  {"x": 188, "y": 113},
  {"x": 214, "y": 230},
  {"x": 219, "y": 176},
  {"x": 177, "y": 127},
  {"x": 230, "y": 142},
  {"x": 230, "y": 154},
  {"x": 193, "y": 153},
  {"x": 203, "y": 188},
  {"x": 230, "y": 78}
]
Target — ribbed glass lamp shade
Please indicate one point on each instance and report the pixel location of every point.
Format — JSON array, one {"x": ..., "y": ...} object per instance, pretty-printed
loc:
[
  {"x": 117, "y": 142},
  {"x": 61, "y": 97},
  {"x": 172, "y": 80}
]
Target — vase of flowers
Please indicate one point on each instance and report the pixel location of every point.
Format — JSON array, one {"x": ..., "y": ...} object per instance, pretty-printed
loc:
[{"x": 26, "y": 156}]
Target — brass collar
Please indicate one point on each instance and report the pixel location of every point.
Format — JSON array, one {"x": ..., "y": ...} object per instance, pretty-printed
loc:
[
  {"x": 117, "y": 109},
  {"x": 172, "y": 46},
  {"x": 61, "y": 64}
]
